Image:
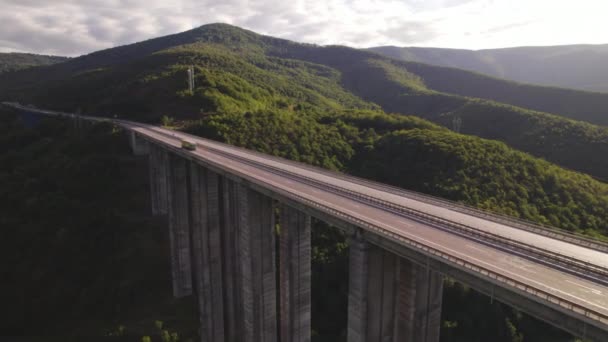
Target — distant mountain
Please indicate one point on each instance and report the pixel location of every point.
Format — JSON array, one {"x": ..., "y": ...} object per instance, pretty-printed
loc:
[
  {"x": 240, "y": 73},
  {"x": 583, "y": 67},
  {"x": 17, "y": 61}
]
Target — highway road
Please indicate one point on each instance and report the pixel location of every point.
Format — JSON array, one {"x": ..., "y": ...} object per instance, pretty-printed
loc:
[
  {"x": 582, "y": 253},
  {"x": 376, "y": 210},
  {"x": 569, "y": 287}
]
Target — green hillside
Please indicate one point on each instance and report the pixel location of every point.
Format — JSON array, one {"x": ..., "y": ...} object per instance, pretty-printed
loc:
[
  {"x": 399, "y": 89},
  {"x": 18, "y": 61},
  {"x": 574, "y": 104},
  {"x": 581, "y": 67},
  {"x": 238, "y": 71}
]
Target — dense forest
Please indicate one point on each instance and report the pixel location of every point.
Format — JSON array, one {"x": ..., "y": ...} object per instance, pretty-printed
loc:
[
  {"x": 579, "y": 105},
  {"x": 17, "y": 61},
  {"x": 237, "y": 71},
  {"x": 81, "y": 254},
  {"x": 325, "y": 106},
  {"x": 567, "y": 66}
]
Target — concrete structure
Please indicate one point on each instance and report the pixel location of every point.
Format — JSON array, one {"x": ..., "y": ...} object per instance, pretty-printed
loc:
[
  {"x": 178, "y": 204},
  {"x": 139, "y": 146},
  {"x": 158, "y": 175},
  {"x": 295, "y": 274},
  {"x": 391, "y": 298},
  {"x": 221, "y": 204}
]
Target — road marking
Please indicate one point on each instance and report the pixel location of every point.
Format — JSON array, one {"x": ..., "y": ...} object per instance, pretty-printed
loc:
[{"x": 596, "y": 291}]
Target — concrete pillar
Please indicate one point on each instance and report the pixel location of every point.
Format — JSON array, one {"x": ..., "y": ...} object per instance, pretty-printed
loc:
[
  {"x": 158, "y": 166},
  {"x": 179, "y": 226},
  {"x": 230, "y": 271},
  {"x": 294, "y": 275},
  {"x": 357, "y": 290},
  {"x": 207, "y": 251},
  {"x": 138, "y": 145},
  {"x": 162, "y": 180},
  {"x": 256, "y": 240},
  {"x": 391, "y": 298},
  {"x": 426, "y": 291}
]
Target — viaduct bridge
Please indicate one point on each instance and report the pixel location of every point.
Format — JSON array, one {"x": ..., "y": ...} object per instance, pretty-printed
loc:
[{"x": 224, "y": 205}]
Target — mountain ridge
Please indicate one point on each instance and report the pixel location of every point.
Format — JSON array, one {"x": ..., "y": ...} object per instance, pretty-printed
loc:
[
  {"x": 13, "y": 61},
  {"x": 238, "y": 71},
  {"x": 578, "y": 66}
]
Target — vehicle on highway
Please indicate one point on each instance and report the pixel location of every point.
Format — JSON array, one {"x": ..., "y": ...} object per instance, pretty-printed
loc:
[{"x": 188, "y": 145}]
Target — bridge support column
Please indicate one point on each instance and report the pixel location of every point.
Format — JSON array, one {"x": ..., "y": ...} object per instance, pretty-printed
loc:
[
  {"x": 257, "y": 276},
  {"x": 138, "y": 146},
  {"x": 179, "y": 226},
  {"x": 232, "y": 294},
  {"x": 207, "y": 252},
  {"x": 391, "y": 298},
  {"x": 158, "y": 165},
  {"x": 295, "y": 275}
]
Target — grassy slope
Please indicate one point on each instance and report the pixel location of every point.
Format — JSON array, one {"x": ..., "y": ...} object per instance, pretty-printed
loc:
[{"x": 19, "y": 61}]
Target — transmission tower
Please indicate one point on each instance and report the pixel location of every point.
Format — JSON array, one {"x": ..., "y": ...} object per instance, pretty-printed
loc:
[
  {"x": 456, "y": 124},
  {"x": 191, "y": 78}
]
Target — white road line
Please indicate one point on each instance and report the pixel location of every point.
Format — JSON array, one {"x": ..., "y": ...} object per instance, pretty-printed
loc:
[{"x": 596, "y": 291}]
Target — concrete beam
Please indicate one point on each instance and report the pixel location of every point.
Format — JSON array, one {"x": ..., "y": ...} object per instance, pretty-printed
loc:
[
  {"x": 256, "y": 239},
  {"x": 179, "y": 226},
  {"x": 391, "y": 298},
  {"x": 294, "y": 275},
  {"x": 206, "y": 252}
]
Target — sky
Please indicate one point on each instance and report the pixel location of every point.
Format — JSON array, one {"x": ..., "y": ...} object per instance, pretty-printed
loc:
[{"x": 76, "y": 27}]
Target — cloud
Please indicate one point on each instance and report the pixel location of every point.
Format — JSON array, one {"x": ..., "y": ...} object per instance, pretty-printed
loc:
[{"x": 73, "y": 27}]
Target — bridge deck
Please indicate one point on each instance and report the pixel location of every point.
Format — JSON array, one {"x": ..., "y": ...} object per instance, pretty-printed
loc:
[
  {"x": 562, "y": 285},
  {"x": 561, "y": 247}
]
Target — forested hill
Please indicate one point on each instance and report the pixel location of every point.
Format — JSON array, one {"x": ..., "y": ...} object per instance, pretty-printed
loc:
[
  {"x": 579, "y": 105},
  {"x": 239, "y": 72},
  {"x": 583, "y": 67},
  {"x": 51, "y": 219},
  {"x": 17, "y": 61}
]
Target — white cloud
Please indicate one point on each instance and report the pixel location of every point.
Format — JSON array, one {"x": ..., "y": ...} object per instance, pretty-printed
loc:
[{"x": 72, "y": 27}]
